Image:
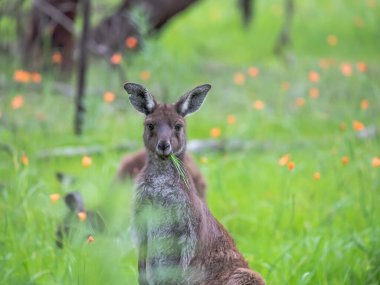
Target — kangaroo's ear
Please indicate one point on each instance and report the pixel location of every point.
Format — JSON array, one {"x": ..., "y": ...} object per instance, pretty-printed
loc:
[
  {"x": 140, "y": 98},
  {"x": 192, "y": 101}
]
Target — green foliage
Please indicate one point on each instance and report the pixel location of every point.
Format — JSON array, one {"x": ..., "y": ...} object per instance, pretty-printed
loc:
[{"x": 292, "y": 228}]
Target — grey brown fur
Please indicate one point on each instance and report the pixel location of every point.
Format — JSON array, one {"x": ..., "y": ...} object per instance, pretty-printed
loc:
[
  {"x": 179, "y": 240},
  {"x": 132, "y": 164}
]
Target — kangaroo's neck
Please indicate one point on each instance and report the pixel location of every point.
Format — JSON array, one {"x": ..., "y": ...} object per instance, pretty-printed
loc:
[{"x": 161, "y": 167}]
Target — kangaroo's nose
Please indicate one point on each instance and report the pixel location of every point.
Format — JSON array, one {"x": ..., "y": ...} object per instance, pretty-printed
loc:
[{"x": 164, "y": 148}]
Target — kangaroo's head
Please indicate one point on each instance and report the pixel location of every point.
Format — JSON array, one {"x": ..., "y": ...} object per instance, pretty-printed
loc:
[{"x": 164, "y": 125}]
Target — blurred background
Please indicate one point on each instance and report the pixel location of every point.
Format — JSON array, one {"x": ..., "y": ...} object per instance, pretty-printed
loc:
[{"x": 287, "y": 140}]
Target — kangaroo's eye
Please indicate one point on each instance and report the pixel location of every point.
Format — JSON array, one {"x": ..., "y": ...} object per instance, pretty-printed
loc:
[
  {"x": 150, "y": 126},
  {"x": 178, "y": 127}
]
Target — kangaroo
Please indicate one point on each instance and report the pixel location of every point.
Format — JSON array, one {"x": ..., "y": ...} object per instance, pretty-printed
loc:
[
  {"x": 179, "y": 240},
  {"x": 131, "y": 165}
]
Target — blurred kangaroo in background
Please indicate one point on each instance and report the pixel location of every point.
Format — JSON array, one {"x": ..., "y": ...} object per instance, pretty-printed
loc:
[
  {"x": 179, "y": 240},
  {"x": 131, "y": 165}
]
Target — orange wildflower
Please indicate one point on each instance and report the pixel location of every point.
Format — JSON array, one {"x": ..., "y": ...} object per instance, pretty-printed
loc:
[
  {"x": 361, "y": 66},
  {"x": 239, "y": 78},
  {"x": 342, "y": 126},
  {"x": 285, "y": 85},
  {"x": 357, "y": 125},
  {"x": 54, "y": 198},
  {"x": 17, "y": 102},
  {"x": 204, "y": 160},
  {"x": 215, "y": 132},
  {"x": 300, "y": 102},
  {"x": 314, "y": 93},
  {"x": 21, "y": 76},
  {"x": 116, "y": 58},
  {"x": 56, "y": 57},
  {"x": 346, "y": 69},
  {"x": 359, "y": 22},
  {"x": 316, "y": 176},
  {"x": 231, "y": 119},
  {"x": 253, "y": 71},
  {"x": 145, "y": 75},
  {"x": 82, "y": 216},
  {"x": 36, "y": 77},
  {"x": 24, "y": 159},
  {"x": 41, "y": 116},
  {"x": 90, "y": 239},
  {"x": 371, "y": 4},
  {"x": 291, "y": 165},
  {"x": 345, "y": 160},
  {"x": 376, "y": 161},
  {"x": 258, "y": 104},
  {"x": 86, "y": 161},
  {"x": 325, "y": 63},
  {"x": 284, "y": 160},
  {"x": 332, "y": 40},
  {"x": 364, "y": 104},
  {"x": 313, "y": 76},
  {"x": 108, "y": 97},
  {"x": 131, "y": 42}
]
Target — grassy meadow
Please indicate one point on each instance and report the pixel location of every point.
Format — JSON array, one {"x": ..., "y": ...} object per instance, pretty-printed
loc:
[{"x": 302, "y": 203}]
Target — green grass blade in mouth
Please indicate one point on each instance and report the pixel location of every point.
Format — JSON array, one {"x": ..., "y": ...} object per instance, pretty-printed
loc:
[{"x": 180, "y": 169}]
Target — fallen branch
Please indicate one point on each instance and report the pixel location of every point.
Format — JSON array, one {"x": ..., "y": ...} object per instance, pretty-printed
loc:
[{"x": 194, "y": 146}]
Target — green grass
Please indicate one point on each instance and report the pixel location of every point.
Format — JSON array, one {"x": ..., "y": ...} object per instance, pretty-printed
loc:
[{"x": 291, "y": 228}]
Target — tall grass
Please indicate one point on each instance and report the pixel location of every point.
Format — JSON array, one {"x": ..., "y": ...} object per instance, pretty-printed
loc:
[{"x": 291, "y": 227}]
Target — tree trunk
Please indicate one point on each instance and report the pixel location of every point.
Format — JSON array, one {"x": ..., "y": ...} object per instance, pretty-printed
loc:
[
  {"x": 82, "y": 71},
  {"x": 284, "y": 37}
]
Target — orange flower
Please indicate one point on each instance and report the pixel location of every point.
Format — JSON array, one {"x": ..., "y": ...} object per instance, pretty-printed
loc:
[
  {"x": 358, "y": 126},
  {"x": 54, "y": 198},
  {"x": 371, "y": 4},
  {"x": 108, "y": 97},
  {"x": 215, "y": 132},
  {"x": 345, "y": 160},
  {"x": 361, "y": 66},
  {"x": 131, "y": 42},
  {"x": 239, "y": 78},
  {"x": 56, "y": 57},
  {"x": 313, "y": 76},
  {"x": 284, "y": 160},
  {"x": 41, "y": 116},
  {"x": 36, "y": 77},
  {"x": 342, "y": 126},
  {"x": 291, "y": 165},
  {"x": 376, "y": 161},
  {"x": 21, "y": 76},
  {"x": 24, "y": 159},
  {"x": 204, "y": 160},
  {"x": 359, "y": 22},
  {"x": 258, "y": 104},
  {"x": 285, "y": 85},
  {"x": 314, "y": 93},
  {"x": 317, "y": 176},
  {"x": 325, "y": 63},
  {"x": 253, "y": 71},
  {"x": 82, "y": 216},
  {"x": 231, "y": 119},
  {"x": 364, "y": 104},
  {"x": 300, "y": 102},
  {"x": 116, "y": 58},
  {"x": 17, "y": 102},
  {"x": 86, "y": 161},
  {"x": 90, "y": 239},
  {"x": 332, "y": 40},
  {"x": 346, "y": 69},
  {"x": 145, "y": 75}
]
